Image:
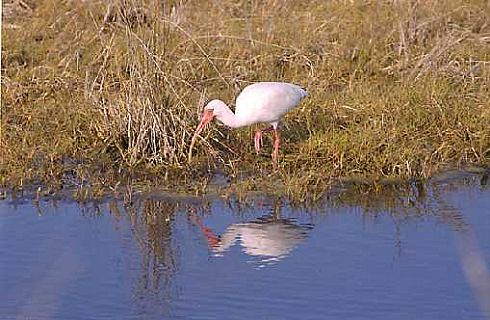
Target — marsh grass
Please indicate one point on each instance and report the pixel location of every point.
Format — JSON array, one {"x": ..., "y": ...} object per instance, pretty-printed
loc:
[{"x": 90, "y": 89}]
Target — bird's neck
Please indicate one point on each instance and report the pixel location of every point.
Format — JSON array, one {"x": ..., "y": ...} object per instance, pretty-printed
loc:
[{"x": 230, "y": 119}]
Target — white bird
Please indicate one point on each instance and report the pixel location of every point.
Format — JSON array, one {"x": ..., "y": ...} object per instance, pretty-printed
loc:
[
  {"x": 267, "y": 238},
  {"x": 262, "y": 102}
]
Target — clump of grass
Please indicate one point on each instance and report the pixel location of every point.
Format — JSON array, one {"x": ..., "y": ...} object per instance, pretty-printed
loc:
[{"x": 397, "y": 89}]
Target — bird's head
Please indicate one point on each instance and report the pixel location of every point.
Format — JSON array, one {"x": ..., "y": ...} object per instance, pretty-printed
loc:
[{"x": 214, "y": 108}]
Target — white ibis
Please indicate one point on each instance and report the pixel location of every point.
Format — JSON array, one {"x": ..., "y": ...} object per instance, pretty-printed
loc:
[
  {"x": 268, "y": 239},
  {"x": 262, "y": 102}
]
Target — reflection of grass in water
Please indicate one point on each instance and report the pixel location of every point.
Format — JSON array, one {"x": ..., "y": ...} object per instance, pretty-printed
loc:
[
  {"x": 154, "y": 228},
  {"x": 151, "y": 223},
  {"x": 92, "y": 88},
  {"x": 409, "y": 202}
]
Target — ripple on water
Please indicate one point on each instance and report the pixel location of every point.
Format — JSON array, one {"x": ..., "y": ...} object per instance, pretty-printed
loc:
[{"x": 377, "y": 257}]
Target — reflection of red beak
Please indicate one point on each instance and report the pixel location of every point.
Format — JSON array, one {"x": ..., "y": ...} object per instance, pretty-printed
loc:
[{"x": 207, "y": 116}]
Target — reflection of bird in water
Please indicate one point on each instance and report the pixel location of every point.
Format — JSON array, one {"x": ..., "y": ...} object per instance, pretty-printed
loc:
[{"x": 267, "y": 238}]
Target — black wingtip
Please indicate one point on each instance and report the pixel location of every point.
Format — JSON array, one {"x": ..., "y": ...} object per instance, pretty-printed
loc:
[{"x": 305, "y": 91}]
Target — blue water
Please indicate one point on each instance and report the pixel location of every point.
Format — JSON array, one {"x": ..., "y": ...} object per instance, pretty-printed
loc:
[{"x": 395, "y": 255}]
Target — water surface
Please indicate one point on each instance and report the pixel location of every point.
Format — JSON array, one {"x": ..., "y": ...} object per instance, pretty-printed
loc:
[{"x": 406, "y": 253}]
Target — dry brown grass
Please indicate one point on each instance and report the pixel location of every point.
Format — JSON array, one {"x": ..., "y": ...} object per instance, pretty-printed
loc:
[{"x": 397, "y": 88}]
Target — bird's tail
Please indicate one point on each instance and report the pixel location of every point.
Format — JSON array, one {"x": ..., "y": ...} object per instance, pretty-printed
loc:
[{"x": 305, "y": 92}]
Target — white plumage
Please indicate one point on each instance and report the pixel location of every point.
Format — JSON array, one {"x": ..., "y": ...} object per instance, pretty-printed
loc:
[{"x": 267, "y": 102}]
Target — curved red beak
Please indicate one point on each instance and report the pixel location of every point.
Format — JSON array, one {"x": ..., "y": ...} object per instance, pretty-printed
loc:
[{"x": 206, "y": 118}]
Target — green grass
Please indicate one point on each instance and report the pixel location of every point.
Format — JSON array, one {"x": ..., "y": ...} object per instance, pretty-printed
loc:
[{"x": 94, "y": 89}]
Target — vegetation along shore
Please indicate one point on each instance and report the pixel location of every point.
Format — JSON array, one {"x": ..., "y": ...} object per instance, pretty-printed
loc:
[{"x": 96, "y": 91}]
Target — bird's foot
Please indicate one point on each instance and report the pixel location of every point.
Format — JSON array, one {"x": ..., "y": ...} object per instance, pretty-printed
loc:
[{"x": 258, "y": 141}]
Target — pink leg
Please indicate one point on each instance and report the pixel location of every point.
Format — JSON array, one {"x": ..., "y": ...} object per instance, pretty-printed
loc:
[
  {"x": 258, "y": 138},
  {"x": 275, "y": 152},
  {"x": 258, "y": 141}
]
